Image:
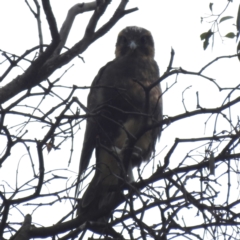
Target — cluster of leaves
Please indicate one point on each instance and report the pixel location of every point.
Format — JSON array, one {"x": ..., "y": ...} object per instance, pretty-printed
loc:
[{"x": 218, "y": 19}]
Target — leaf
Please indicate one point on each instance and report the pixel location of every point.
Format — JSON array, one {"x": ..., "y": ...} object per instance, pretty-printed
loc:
[
  {"x": 238, "y": 19},
  {"x": 205, "y": 44},
  {"x": 210, "y": 6},
  {"x": 49, "y": 146},
  {"x": 206, "y": 36},
  {"x": 238, "y": 24},
  {"x": 238, "y": 50},
  {"x": 203, "y": 36},
  {"x": 230, "y": 35},
  {"x": 225, "y": 18}
]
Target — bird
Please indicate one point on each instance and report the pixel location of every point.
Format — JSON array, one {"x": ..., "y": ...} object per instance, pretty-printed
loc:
[{"x": 124, "y": 101}]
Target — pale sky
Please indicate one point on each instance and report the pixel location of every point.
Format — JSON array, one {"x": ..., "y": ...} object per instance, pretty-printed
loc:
[{"x": 173, "y": 23}]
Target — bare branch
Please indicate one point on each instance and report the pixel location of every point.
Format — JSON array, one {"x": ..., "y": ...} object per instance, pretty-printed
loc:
[
  {"x": 169, "y": 68},
  {"x": 48, "y": 116},
  {"x": 216, "y": 59},
  {"x": 119, "y": 13},
  {"x": 72, "y": 13},
  {"x": 23, "y": 232},
  {"x": 38, "y": 18},
  {"x": 45, "y": 66},
  {"x": 51, "y": 20}
]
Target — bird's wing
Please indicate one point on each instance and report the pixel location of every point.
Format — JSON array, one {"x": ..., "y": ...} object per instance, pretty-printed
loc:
[{"x": 91, "y": 131}]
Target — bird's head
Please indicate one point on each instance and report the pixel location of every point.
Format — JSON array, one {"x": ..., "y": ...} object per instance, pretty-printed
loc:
[{"x": 135, "y": 40}]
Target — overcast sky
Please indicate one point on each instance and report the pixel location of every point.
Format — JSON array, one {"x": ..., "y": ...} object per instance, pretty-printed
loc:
[{"x": 174, "y": 24}]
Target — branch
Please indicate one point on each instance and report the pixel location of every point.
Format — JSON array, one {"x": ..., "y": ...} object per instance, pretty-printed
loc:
[
  {"x": 216, "y": 59},
  {"x": 51, "y": 20},
  {"x": 19, "y": 58},
  {"x": 38, "y": 18},
  {"x": 4, "y": 218},
  {"x": 45, "y": 65},
  {"x": 72, "y": 13},
  {"x": 39, "y": 26},
  {"x": 40, "y": 180},
  {"x": 23, "y": 232},
  {"x": 169, "y": 68},
  {"x": 75, "y": 223},
  {"x": 159, "y": 175},
  {"x": 119, "y": 13},
  {"x": 169, "y": 120},
  {"x": 90, "y": 29}
]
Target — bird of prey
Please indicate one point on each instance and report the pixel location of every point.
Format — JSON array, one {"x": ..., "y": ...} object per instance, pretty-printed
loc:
[{"x": 125, "y": 100}]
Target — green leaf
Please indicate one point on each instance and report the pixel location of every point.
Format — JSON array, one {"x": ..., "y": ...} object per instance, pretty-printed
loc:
[
  {"x": 230, "y": 35},
  {"x": 206, "y": 36},
  {"x": 225, "y": 18},
  {"x": 238, "y": 19},
  {"x": 210, "y": 6},
  {"x": 238, "y": 50},
  {"x": 205, "y": 44},
  {"x": 203, "y": 36}
]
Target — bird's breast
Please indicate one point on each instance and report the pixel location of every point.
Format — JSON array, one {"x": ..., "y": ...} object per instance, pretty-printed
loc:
[{"x": 129, "y": 79}]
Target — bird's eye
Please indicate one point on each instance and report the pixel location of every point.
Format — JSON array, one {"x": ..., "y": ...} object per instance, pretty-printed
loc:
[
  {"x": 144, "y": 39},
  {"x": 122, "y": 40}
]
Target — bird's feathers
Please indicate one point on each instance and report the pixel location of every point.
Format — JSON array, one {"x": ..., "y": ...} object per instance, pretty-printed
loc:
[{"x": 122, "y": 105}]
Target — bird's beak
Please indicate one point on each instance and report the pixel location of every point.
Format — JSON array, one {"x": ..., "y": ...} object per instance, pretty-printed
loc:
[{"x": 132, "y": 45}]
